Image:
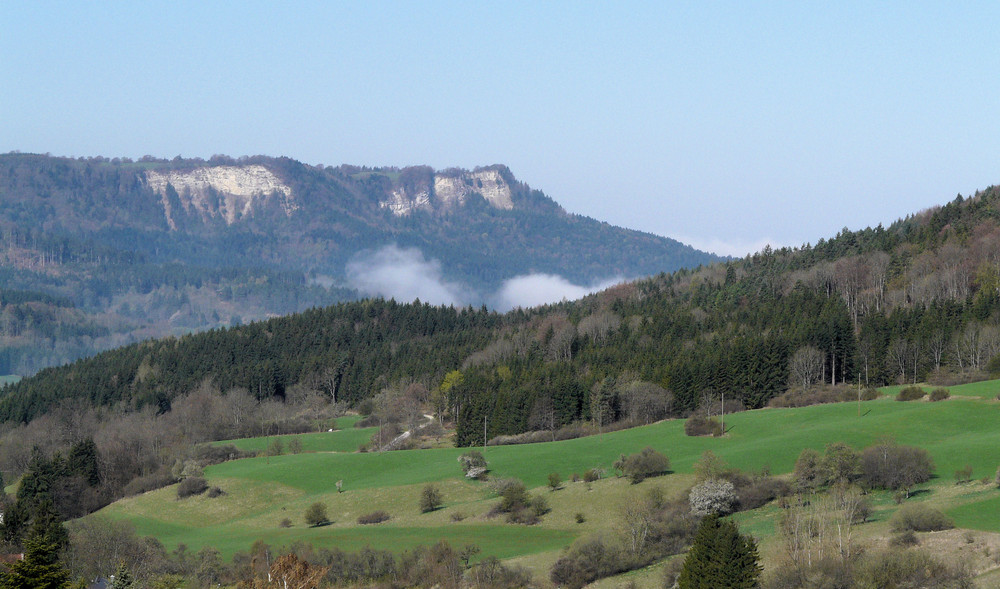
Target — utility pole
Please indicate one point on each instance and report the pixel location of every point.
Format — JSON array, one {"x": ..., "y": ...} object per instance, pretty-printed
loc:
[
  {"x": 484, "y": 433},
  {"x": 723, "y": 413},
  {"x": 859, "y": 395}
]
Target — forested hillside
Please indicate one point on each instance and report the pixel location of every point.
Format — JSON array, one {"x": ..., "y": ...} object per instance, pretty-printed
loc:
[
  {"x": 150, "y": 248},
  {"x": 917, "y": 300}
]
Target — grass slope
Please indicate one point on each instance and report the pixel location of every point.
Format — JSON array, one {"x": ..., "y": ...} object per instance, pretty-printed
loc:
[
  {"x": 346, "y": 439},
  {"x": 263, "y": 491}
]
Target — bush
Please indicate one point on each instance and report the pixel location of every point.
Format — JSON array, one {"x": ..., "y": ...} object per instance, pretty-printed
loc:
[
  {"x": 904, "y": 539},
  {"x": 894, "y": 467},
  {"x": 580, "y": 518},
  {"x": 910, "y": 394},
  {"x": 276, "y": 447},
  {"x": 285, "y": 523},
  {"x": 430, "y": 499},
  {"x": 939, "y": 394},
  {"x": 816, "y": 396},
  {"x": 696, "y": 425},
  {"x": 964, "y": 475},
  {"x": 191, "y": 486},
  {"x": 592, "y": 474},
  {"x": 215, "y": 492},
  {"x": 375, "y": 517},
  {"x": 647, "y": 463},
  {"x": 295, "y": 446},
  {"x": 457, "y": 516},
  {"x": 315, "y": 514},
  {"x": 919, "y": 517},
  {"x": 712, "y": 497},
  {"x": 555, "y": 481},
  {"x": 473, "y": 464},
  {"x": 870, "y": 394}
]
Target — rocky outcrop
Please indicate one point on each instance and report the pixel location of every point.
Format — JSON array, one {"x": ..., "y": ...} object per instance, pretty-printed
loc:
[
  {"x": 452, "y": 189},
  {"x": 227, "y": 192}
]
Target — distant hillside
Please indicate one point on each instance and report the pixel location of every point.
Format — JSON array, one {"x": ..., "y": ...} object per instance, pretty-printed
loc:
[
  {"x": 915, "y": 301},
  {"x": 155, "y": 247}
]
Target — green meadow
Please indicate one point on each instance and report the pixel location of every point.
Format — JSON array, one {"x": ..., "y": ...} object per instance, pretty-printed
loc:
[{"x": 261, "y": 492}]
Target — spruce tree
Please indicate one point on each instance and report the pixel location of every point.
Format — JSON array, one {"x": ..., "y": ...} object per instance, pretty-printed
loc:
[
  {"x": 40, "y": 568},
  {"x": 720, "y": 558}
]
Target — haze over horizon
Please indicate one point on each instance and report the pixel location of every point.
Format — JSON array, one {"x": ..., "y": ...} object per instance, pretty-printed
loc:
[{"x": 725, "y": 125}]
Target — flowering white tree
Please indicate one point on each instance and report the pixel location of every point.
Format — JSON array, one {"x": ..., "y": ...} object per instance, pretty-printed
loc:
[{"x": 714, "y": 496}]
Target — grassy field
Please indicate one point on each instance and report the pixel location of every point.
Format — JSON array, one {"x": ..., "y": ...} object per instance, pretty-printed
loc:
[{"x": 260, "y": 492}]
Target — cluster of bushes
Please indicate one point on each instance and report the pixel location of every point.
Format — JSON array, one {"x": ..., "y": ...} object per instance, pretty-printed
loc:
[
  {"x": 913, "y": 393},
  {"x": 579, "y": 429},
  {"x": 917, "y": 517},
  {"x": 650, "y": 530},
  {"x": 939, "y": 394},
  {"x": 473, "y": 464},
  {"x": 822, "y": 395},
  {"x": 646, "y": 463},
  {"x": 886, "y": 465},
  {"x": 191, "y": 486},
  {"x": 876, "y": 569},
  {"x": 517, "y": 504},
  {"x": 699, "y": 425},
  {"x": 375, "y": 517}
]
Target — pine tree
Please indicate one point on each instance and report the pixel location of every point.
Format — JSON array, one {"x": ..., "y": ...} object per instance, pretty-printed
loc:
[
  {"x": 40, "y": 568},
  {"x": 720, "y": 558},
  {"x": 123, "y": 578}
]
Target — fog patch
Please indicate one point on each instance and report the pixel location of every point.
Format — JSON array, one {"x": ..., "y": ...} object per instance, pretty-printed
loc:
[
  {"x": 533, "y": 290},
  {"x": 405, "y": 275}
]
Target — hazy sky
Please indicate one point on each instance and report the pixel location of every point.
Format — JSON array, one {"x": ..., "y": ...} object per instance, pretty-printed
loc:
[{"x": 721, "y": 124}]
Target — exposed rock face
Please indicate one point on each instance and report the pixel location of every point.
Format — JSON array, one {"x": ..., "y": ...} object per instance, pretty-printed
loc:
[
  {"x": 451, "y": 190},
  {"x": 239, "y": 191}
]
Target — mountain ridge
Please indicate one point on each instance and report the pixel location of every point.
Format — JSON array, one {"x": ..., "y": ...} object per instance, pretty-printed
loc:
[{"x": 159, "y": 247}]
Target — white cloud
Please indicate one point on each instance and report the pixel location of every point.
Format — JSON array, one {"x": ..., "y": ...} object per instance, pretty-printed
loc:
[
  {"x": 533, "y": 290},
  {"x": 405, "y": 275}
]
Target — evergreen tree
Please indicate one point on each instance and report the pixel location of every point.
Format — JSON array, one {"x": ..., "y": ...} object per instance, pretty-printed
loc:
[
  {"x": 720, "y": 558},
  {"x": 123, "y": 578},
  {"x": 40, "y": 568}
]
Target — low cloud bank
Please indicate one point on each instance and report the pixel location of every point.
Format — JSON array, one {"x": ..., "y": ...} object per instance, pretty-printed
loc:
[
  {"x": 405, "y": 274},
  {"x": 532, "y": 290}
]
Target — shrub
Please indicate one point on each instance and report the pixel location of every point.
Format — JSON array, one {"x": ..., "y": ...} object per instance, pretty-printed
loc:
[
  {"x": 760, "y": 491},
  {"x": 295, "y": 446},
  {"x": 647, "y": 463},
  {"x": 696, "y": 425},
  {"x": 910, "y": 394},
  {"x": 592, "y": 474},
  {"x": 939, "y": 394},
  {"x": 473, "y": 464},
  {"x": 580, "y": 518},
  {"x": 712, "y": 497},
  {"x": 555, "y": 481},
  {"x": 457, "y": 516},
  {"x": 870, "y": 394},
  {"x": 315, "y": 514},
  {"x": 375, "y": 517},
  {"x": 191, "y": 486},
  {"x": 904, "y": 539},
  {"x": 214, "y": 492},
  {"x": 430, "y": 499},
  {"x": 964, "y": 475},
  {"x": 276, "y": 447},
  {"x": 919, "y": 517},
  {"x": 894, "y": 467},
  {"x": 285, "y": 523}
]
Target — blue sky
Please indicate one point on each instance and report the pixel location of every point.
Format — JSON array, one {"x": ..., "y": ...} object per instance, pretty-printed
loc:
[{"x": 722, "y": 124}]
